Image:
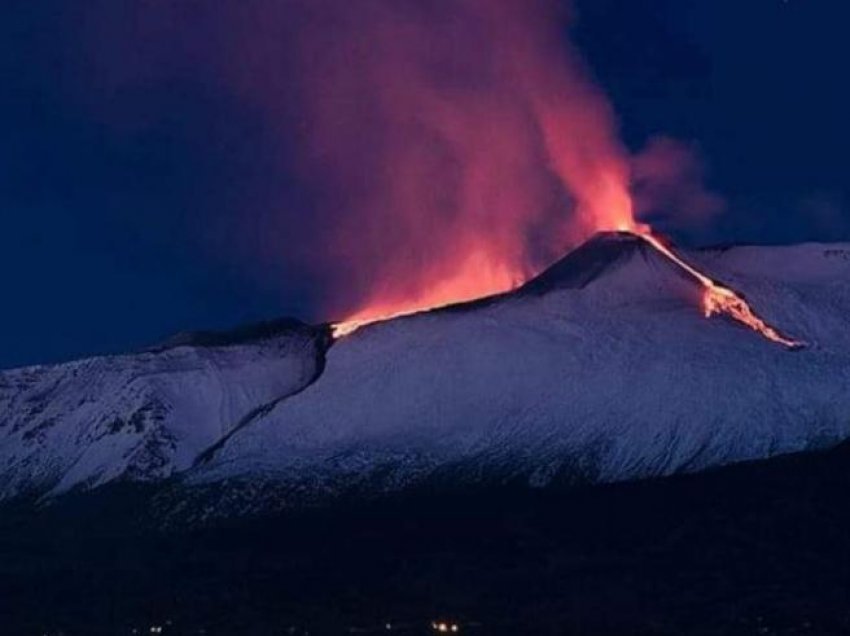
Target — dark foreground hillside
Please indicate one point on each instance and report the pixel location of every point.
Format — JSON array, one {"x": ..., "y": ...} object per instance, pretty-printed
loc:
[{"x": 762, "y": 548}]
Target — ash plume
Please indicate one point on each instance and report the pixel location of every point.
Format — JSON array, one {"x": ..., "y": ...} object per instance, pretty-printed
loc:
[{"x": 441, "y": 149}]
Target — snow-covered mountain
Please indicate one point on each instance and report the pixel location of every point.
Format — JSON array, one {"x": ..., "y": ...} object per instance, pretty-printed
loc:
[
  {"x": 143, "y": 416},
  {"x": 603, "y": 368}
]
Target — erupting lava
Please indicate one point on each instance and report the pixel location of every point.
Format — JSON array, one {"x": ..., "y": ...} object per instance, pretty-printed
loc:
[
  {"x": 474, "y": 165},
  {"x": 717, "y": 299},
  {"x": 434, "y": 152},
  {"x": 481, "y": 273}
]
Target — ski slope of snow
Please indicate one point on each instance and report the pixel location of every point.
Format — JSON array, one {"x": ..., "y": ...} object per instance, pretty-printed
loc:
[{"x": 601, "y": 369}]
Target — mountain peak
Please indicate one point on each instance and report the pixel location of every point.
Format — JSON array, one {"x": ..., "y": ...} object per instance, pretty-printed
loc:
[{"x": 602, "y": 254}]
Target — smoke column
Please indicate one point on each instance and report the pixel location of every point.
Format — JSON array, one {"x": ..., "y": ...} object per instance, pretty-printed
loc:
[
  {"x": 446, "y": 149},
  {"x": 461, "y": 141}
]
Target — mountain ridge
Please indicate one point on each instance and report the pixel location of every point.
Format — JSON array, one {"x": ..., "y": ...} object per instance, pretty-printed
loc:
[{"x": 601, "y": 369}]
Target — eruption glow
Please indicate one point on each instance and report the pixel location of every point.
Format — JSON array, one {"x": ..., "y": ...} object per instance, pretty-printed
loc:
[
  {"x": 415, "y": 153},
  {"x": 717, "y": 299},
  {"x": 538, "y": 104},
  {"x": 482, "y": 148}
]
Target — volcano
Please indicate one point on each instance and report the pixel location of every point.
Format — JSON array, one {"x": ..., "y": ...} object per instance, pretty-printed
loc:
[
  {"x": 603, "y": 368},
  {"x": 714, "y": 297},
  {"x": 601, "y": 256}
]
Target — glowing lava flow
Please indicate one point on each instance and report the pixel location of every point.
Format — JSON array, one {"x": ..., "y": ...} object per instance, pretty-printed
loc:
[
  {"x": 717, "y": 299},
  {"x": 347, "y": 327}
]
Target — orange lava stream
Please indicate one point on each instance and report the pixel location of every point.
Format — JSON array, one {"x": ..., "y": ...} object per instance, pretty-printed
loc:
[
  {"x": 717, "y": 299},
  {"x": 348, "y": 327}
]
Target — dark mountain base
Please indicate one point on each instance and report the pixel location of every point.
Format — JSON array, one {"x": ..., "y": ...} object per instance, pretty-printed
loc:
[{"x": 762, "y": 548}]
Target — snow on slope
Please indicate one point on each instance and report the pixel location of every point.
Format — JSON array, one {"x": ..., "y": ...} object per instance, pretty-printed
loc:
[
  {"x": 142, "y": 416},
  {"x": 602, "y": 369}
]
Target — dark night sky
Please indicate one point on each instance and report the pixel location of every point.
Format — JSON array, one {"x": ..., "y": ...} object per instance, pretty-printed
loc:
[{"x": 112, "y": 236}]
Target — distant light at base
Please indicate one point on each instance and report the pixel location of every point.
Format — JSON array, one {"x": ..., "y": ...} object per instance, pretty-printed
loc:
[{"x": 445, "y": 628}]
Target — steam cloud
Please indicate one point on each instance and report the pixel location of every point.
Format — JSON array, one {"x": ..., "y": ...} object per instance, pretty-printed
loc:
[
  {"x": 450, "y": 141},
  {"x": 668, "y": 186}
]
